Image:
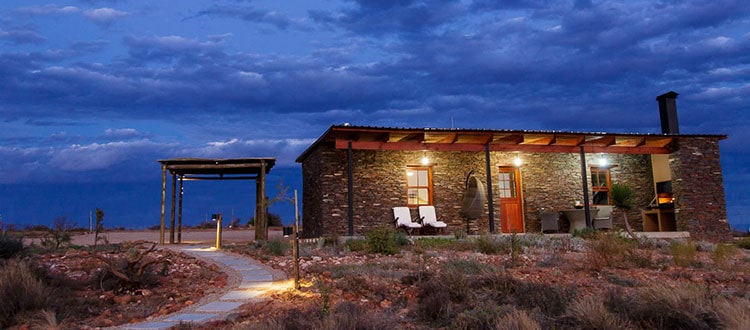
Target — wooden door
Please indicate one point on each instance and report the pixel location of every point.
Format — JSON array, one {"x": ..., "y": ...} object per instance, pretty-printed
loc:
[{"x": 511, "y": 211}]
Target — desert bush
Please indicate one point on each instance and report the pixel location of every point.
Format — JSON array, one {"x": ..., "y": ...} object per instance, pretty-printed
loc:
[
  {"x": 722, "y": 253},
  {"x": 683, "y": 253},
  {"x": 10, "y": 246},
  {"x": 483, "y": 316},
  {"x": 517, "y": 320},
  {"x": 59, "y": 236},
  {"x": 277, "y": 246},
  {"x": 608, "y": 250},
  {"x": 586, "y": 233},
  {"x": 20, "y": 291},
  {"x": 744, "y": 243},
  {"x": 382, "y": 240},
  {"x": 550, "y": 300},
  {"x": 401, "y": 238},
  {"x": 488, "y": 245},
  {"x": 683, "y": 307},
  {"x": 135, "y": 267},
  {"x": 590, "y": 313},
  {"x": 348, "y": 315},
  {"x": 442, "y": 243},
  {"x": 356, "y": 245},
  {"x": 735, "y": 313}
]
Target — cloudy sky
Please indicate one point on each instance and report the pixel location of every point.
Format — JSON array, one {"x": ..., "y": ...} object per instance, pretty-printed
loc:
[{"x": 95, "y": 91}]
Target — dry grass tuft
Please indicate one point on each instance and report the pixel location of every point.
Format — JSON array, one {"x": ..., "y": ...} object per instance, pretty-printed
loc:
[
  {"x": 591, "y": 313},
  {"x": 517, "y": 320},
  {"x": 20, "y": 291}
]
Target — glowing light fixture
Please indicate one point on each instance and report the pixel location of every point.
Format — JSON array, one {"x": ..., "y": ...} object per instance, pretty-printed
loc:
[
  {"x": 603, "y": 162},
  {"x": 517, "y": 162},
  {"x": 425, "y": 160}
]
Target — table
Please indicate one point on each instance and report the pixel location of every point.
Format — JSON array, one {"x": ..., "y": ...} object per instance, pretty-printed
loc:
[{"x": 577, "y": 218}]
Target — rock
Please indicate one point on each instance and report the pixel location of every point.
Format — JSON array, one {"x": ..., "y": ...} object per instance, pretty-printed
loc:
[
  {"x": 189, "y": 302},
  {"x": 385, "y": 303},
  {"x": 123, "y": 299},
  {"x": 233, "y": 317}
]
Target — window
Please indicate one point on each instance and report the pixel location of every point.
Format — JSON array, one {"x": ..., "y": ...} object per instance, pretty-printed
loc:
[
  {"x": 418, "y": 186},
  {"x": 600, "y": 184},
  {"x": 507, "y": 184}
]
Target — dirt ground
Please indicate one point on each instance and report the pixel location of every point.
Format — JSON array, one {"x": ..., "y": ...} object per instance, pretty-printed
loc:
[{"x": 189, "y": 236}]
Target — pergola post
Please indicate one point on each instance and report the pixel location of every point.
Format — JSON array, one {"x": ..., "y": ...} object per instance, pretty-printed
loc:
[
  {"x": 261, "y": 216},
  {"x": 171, "y": 217},
  {"x": 179, "y": 212},
  {"x": 163, "y": 201}
]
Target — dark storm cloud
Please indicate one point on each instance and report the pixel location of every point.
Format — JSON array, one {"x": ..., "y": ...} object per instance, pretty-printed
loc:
[
  {"x": 247, "y": 13},
  {"x": 21, "y": 36}
]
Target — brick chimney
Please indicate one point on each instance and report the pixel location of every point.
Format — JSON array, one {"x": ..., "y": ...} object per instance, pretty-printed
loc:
[{"x": 668, "y": 112}]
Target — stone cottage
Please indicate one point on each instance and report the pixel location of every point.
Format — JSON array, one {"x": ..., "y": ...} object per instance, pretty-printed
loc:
[{"x": 354, "y": 175}]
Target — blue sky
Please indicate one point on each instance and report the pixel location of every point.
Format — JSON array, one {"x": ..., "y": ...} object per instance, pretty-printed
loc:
[{"x": 94, "y": 92}]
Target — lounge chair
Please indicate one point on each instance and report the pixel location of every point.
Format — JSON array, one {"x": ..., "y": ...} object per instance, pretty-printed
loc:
[
  {"x": 603, "y": 218},
  {"x": 402, "y": 216},
  {"x": 429, "y": 219}
]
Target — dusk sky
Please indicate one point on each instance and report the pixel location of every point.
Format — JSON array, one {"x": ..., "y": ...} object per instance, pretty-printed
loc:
[{"x": 93, "y": 93}]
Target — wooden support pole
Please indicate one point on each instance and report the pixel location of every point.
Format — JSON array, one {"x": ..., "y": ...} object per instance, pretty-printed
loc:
[
  {"x": 179, "y": 212},
  {"x": 490, "y": 199},
  {"x": 171, "y": 217},
  {"x": 350, "y": 186},
  {"x": 163, "y": 202},
  {"x": 295, "y": 255},
  {"x": 218, "y": 231},
  {"x": 261, "y": 205},
  {"x": 585, "y": 183}
]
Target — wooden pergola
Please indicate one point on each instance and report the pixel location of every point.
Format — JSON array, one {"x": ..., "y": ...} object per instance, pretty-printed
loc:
[{"x": 183, "y": 169}]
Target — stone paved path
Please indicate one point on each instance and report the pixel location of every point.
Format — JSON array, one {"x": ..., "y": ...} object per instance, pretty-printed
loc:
[{"x": 254, "y": 281}]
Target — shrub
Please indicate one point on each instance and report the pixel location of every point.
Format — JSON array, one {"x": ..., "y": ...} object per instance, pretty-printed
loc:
[
  {"x": 517, "y": 320},
  {"x": 608, "y": 250},
  {"x": 683, "y": 253},
  {"x": 482, "y": 317},
  {"x": 10, "y": 246},
  {"x": 549, "y": 299},
  {"x": 683, "y": 307},
  {"x": 488, "y": 245},
  {"x": 382, "y": 240},
  {"x": 722, "y": 252},
  {"x": 356, "y": 245},
  {"x": 591, "y": 313},
  {"x": 20, "y": 291},
  {"x": 744, "y": 243},
  {"x": 134, "y": 268},
  {"x": 277, "y": 246}
]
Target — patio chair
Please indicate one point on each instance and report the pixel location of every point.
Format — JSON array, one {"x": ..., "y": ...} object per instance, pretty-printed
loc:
[
  {"x": 550, "y": 221},
  {"x": 429, "y": 219},
  {"x": 603, "y": 218},
  {"x": 402, "y": 216}
]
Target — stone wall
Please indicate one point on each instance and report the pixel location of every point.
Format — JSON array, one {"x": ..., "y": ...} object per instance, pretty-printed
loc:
[
  {"x": 548, "y": 180},
  {"x": 697, "y": 184}
]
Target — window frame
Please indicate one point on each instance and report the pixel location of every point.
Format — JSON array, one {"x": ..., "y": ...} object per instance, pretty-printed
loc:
[
  {"x": 594, "y": 171},
  {"x": 428, "y": 186}
]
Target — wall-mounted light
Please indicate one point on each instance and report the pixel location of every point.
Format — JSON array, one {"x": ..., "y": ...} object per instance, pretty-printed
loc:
[
  {"x": 603, "y": 162},
  {"x": 425, "y": 160},
  {"x": 517, "y": 162}
]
